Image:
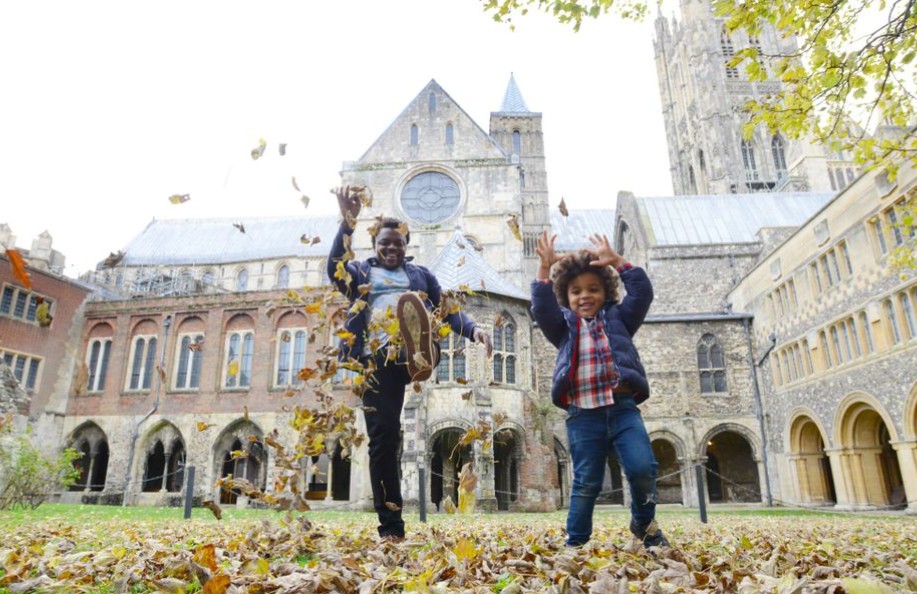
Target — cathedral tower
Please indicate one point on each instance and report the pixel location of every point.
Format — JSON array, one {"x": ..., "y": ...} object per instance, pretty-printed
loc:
[{"x": 702, "y": 103}]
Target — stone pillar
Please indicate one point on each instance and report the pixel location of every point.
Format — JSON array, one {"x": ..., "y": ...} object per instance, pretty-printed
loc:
[
  {"x": 165, "y": 471},
  {"x": 689, "y": 481},
  {"x": 762, "y": 480},
  {"x": 843, "y": 486},
  {"x": 486, "y": 493},
  {"x": 907, "y": 462},
  {"x": 92, "y": 461},
  {"x": 328, "y": 478}
]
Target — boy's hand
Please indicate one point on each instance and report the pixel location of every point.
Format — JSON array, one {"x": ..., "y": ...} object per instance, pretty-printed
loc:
[
  {"x": 546, "y": 254},
  {"x": 605, "y": 255},
  {"x": 349, "y": 203},
  {"x": 482, "y": 337}
]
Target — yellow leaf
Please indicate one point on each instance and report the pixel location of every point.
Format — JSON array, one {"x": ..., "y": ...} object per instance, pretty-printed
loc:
[
  {"x": 464, "y": 550},
  {"x": 444, "y": 331},
  {"x": 202, "y": 426},
  {"x": 314, "y": 308},
  {"x": 233, "y": 369},
  {"x": 863, "y": 586},
  {"x": 179, "y": 198},
  {"x": 218, "y": 584},
  {"x": 206, "y": 556}
]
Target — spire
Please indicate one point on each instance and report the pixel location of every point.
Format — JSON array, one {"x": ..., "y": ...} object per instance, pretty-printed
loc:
[{"x": 512, "y": 99}]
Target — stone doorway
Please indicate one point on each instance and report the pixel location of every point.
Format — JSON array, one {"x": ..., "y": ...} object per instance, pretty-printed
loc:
[{"x": 732, "y": 473}]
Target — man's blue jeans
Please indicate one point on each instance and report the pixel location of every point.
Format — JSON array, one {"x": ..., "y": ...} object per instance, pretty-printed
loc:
[{"x": 593, "y": 435}]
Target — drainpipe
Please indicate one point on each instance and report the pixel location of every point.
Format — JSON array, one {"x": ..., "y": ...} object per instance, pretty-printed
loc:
[
  {"x": 166, "y": 324},
  {"x": 759, "y": 407}
]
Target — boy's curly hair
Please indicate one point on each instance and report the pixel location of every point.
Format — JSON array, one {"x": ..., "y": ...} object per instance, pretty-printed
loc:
[{"x": 576, "y": 263}]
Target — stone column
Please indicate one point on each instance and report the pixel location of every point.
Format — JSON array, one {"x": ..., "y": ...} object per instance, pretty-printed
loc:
[
  {"x": 165, "y": 471},
  {"x": 92, "y": 462},
  {"x": 762, "y": 480},
  {"x": 842, "y": 485},
  {"x": 907, "y": 462},
  {"x": 487, "y": 496},
  {"x": 329, "y": 478}
]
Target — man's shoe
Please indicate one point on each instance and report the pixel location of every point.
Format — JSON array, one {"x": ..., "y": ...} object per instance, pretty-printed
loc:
[
  {"x": 650, "y": 535},
  {"x": 416, "y": 331}
]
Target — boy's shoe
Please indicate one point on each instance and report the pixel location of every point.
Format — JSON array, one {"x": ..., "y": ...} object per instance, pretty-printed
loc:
[
  {"x": 649, "y": 535},
  {"x": 416, "y": 331}
]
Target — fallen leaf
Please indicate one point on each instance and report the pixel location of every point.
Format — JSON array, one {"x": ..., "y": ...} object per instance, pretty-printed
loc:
[
  {"x": 258, "y": 151},
  {"x": 206, "y": 555},
  {"x": 218, "y": 584},
  {"x": 19, "y": 271}
]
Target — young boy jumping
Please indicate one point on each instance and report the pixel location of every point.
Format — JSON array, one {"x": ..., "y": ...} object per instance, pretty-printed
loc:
[
  {"x": 598, "y": 378},
  {"x": 389, "y": 284}
]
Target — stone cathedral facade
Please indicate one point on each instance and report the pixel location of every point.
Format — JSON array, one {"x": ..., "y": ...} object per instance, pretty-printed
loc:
[{"x": 781, "y": 350}]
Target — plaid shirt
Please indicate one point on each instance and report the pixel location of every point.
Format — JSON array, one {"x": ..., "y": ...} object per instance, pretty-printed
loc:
[{"x": 596, "y": 373}]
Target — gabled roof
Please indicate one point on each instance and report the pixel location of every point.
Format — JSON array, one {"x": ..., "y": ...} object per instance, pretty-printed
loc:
[
  {"x": 217, "y": 241},
  {"x": 573, "y": 231},
  {"x": 460, "y": 265},
  {"x": 512, "y": 98},
  {"x": 727, "y": 218},
  {"x": 490, "y": 146}
]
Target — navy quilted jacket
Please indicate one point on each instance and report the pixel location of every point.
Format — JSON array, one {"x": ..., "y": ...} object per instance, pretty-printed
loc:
[{"x": 622, "y": 320}]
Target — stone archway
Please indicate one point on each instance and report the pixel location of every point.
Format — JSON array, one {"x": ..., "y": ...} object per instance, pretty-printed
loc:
[
  {"x": 668, "y": 485},
  {"x": 92, "y": 443},
  {"x": 507, "y": 448},
  {"x": 868, "y": 462},
  {"x": 446, "y": 460},
  {"x": 239, "y": 451},
  {"x": 732, "y": 472},
  {"x": 164, "y": 460},
  {"x": 807, "y": 457}
]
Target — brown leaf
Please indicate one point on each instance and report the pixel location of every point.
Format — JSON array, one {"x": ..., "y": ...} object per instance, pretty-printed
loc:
[
  {"x": 315, "y": 240},
  {"x": 563, "y": 208},
  {"x": 19, "y": 271},
  {"x": 206, "y": 555},
  {"x": 161, "y": 372},
  {"x": 461, "y": 261},
  {"x": 239, "y": 226},
  {"x": 461, "y": 380},
  {"x": 305, "y": 201},
  {"x": 218, "y": 584},
  {"x": 196, "y": 345},
  {"x": 295, "y": 185},
  {"x": 417, "y": 387},
  {"x": 113, "y": 258},
  {"x": 467, "y": 395},
  {"x": 215, "y": 508},
  {"x": 499, "y": 320},
  {"x": 403, "y": 229}
]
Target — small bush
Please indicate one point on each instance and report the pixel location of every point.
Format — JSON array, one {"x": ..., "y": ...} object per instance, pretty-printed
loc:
[{"x": 29, "y": 477}]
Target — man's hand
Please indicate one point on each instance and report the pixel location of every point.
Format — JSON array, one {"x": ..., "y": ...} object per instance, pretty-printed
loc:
[
  {"x": 546, "y": 254},
  {"x": 605, "y": 255},
  {"x": 482, "y": 337},
  {"x": 349, "y": 203}
]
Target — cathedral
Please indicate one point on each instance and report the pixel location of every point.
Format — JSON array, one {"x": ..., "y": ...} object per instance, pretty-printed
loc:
[{"x": 781, "y": 350}]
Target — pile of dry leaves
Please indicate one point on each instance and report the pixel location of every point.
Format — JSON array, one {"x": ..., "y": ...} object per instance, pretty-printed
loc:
[{"x": 504, "y": 554}]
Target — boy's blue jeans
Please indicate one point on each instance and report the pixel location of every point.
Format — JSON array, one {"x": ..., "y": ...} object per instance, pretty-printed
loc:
[{"x": 594, "y": 434}]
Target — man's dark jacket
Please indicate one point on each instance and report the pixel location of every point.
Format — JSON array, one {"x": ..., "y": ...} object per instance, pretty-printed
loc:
[
  {"x": 561, "y": 327},
  {"x": 420, "y": 278}
]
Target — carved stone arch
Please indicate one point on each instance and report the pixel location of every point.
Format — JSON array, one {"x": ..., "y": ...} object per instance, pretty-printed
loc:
[
  {"x": 251, "y": 467},
  {"x": 448, "y": 423},
  {"x": 90, "y": 440},
  {"x": 805, "y": 441},
  {"x": 162, "y": 458},
  {"x": 677, "y": 442},
  {"x": 669, "y": 451},
  {"x": 854, "y": 404},
  {"x": 742, "y": 430},
  {"x": 446, "y": 458},
  {"x": 910, "y": 414}
]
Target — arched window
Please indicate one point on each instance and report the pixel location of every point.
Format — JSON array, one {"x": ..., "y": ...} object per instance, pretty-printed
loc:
[
  {"x": 414, "y": 135},
  {"x": 728, "y": 51},
  {"x": 242, "y": 280},
  {"x": 504, "y": 339},
  {"x": 894, "y": 328},
  {"x": 283, "y": 277},
  {"x": 748, "y": 160},
  {"x": 778, "y": 149},
  {"x": 452, "y": 359},
  {"x": 240, "y": 346},
  {"x": 517, "y": 142},
  {"x": 712, "y": 365},
  {"x": 450, "y": 139}
]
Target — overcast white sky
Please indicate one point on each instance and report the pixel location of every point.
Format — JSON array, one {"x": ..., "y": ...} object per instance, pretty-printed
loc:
[{"x": 108, "y": 108}]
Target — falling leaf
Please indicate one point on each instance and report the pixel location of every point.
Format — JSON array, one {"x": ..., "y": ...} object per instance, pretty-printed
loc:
[
  {"x": 499, "y": 418},
  {"x": 460, "y": 245},
  {"x": 43, "y": 314},
  {"x": 295, "y": 185},
  {"x": 19, "y": 270},
  {"x": 282, "y": 148},
  {"x": 179, "y": 198},
  {"x": 239, "y": 226},
  {"x": 233, "y": 368},
  {"x": 467, "y": 395},
  {"x": 448, "y": 506},
  {"x": 403, "y": 229},
  {"x": 197, "y": 345},
  {"x": 259, "y": 150},
  {"x": 512, "y": 221},
  {"x": 213, "y": 507},
  {"x": 285, "y": 337},
  {"x": 364, "y": 289},
  {"x": 364, "y": 194},
  {"x": 305, "y": 201},
  {"x": 563, "y": 208},
  {"x": 161, "y": 372},
  {"x": 499, "y": 321},
  {"x": 305, "y": 239},
  {"x": 202, "y": 426},
  {"x": 113, "y": 258},
  {"x": 461, "y": 380},
  {"x": 245, "y": 412},
  {"x": 315, "y": 240},
  {"x": 305, "y": 374},
  {"x": 417, "y": 387},
  {"x": 461, "y": 261}
]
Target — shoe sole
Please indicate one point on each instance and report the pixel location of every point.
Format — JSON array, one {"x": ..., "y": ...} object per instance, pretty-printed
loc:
[{"x": 414, "y": 323}]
